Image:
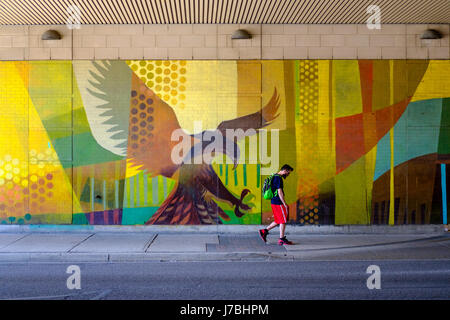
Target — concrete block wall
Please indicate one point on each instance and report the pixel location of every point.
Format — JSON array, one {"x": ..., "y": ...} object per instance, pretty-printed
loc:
[{"x": 212, "y": 41}]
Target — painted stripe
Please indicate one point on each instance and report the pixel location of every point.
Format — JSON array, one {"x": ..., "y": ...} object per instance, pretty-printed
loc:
[
  {"x": 92, "y": 194},
  {"x": 155, "y": 190},
  {"x": 245, "y": 174},
  {"x": 145, "y": 189},
  {"x": 165, "y": 187},
  {"x": 297, "y": 89},
  {"x": 258, "y": 175},
  {"x": 104, "y": 194},
  {"x": 125, "y": 193},
  {"x": 226, "y": 174},
  {"x": 391, "y": 132},
  {"x": 131, "y": 184},
  {"x": 444, "y": 193},
  {"x": 116, "y": 193},
  {"x": 138, "y": 198},
  {"x": 391, "y": 181}
]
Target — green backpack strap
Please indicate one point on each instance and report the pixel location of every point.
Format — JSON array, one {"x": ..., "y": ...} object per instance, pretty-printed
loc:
[{"x": 276, "y": 191}]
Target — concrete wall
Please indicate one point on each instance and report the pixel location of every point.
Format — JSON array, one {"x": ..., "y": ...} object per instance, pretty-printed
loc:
[{"x": 200, "y": 42}]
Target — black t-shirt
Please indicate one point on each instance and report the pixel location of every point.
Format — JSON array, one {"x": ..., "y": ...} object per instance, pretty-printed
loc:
[{"x": 277, "y": 183}]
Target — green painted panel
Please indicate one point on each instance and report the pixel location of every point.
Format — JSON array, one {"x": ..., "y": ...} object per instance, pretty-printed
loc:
[
  {"x": 351, "y": 206},
  {"x": 87, "y": 151},
  {"x": 444, "y": 135},
  {"x": 137, "y": 216}
]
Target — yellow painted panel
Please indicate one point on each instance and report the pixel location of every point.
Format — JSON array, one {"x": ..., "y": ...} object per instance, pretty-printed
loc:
[
  {"x": 348, "y": 87},
  {"x": 435, "y": 82}
]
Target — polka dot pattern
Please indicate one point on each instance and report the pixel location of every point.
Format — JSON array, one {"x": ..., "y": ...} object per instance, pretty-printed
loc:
[
  {"x": 309, "y": 91},
  {"x": 166, "y": 78},
  {"x": 13, "y": 187},
  {"x": 141, "y": 120},
  {"x": 49, "y": 156},
  {"x": 308, "y": 117},
  {"x": 41, "y": 189},
  {"x": 13, "y": 172},
  {"x": 308, "y": 210},
  {"x": 26, "y": 186}
]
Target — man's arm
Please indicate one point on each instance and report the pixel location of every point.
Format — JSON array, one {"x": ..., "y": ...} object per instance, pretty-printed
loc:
[{"x": 281, "y": 195}]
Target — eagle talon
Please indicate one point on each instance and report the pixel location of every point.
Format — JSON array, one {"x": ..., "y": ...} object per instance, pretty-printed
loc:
[
  {"x": 241, "y": 205},
  {"x": 238, "y": 213}
]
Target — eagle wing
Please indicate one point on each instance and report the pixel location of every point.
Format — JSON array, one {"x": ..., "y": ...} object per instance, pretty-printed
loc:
[
  {"x": 152, "y": 123},
  {"x": 126, "y": 117},
  {"x": 105, "y": 91},
  {"x": 257, "y": 120}
]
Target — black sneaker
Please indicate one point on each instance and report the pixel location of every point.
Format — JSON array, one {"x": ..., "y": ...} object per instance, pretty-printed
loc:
[
  {"x": 284, "y": 241},
  {"x": 263, "y": 234}
]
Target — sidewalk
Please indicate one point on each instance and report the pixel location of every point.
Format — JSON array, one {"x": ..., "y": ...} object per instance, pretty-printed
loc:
[{"x": 84, "y": 245}]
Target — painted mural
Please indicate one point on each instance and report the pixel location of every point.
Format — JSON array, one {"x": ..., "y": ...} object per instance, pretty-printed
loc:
[{"x": 92, "y": 142}]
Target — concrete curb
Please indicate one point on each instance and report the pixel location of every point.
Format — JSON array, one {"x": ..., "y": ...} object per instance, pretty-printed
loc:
[
  {"x": 134, "y": 257},
  {"x": 53, "y": 257},
  {"x": 216, "y": 229},
  {"x": 72, "y": 258}
]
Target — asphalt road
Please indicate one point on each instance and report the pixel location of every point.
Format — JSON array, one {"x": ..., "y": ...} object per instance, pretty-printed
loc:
[{"x": 405, "y": 279}]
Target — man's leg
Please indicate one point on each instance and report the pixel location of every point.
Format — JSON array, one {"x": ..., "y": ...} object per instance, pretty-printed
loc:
[
  {"x": 283, "y": 239},
  {"x": 272, "y": 225},
  {"x": 282, "y": 228},
  {"x": 284, "y": 219},
  {"x": 264, "y": 232}
]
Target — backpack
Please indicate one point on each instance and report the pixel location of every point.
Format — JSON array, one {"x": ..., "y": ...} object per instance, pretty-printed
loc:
[{"x": 267, "y": 188}]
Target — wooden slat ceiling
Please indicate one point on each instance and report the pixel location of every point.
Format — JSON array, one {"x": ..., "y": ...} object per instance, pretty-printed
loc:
[{"x": 44, "y": 12}]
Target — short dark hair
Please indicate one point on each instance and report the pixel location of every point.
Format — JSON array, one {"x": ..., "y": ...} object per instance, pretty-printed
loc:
[{"x": 287, "y": 167}]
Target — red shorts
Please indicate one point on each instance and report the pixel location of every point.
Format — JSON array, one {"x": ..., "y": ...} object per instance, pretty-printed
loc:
[{"x": 280, "y": 213}]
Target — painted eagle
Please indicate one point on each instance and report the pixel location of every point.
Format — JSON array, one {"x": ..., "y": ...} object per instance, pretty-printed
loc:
[{"x": 129, "y": 119}]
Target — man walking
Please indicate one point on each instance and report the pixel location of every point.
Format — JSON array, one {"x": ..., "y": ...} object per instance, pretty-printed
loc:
[{"x": 279, "y": 207}]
